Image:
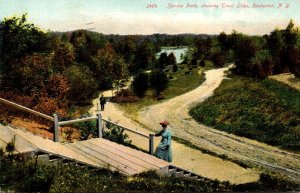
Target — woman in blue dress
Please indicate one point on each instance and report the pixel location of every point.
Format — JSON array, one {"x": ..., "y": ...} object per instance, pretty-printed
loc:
[{"x": 164, "y": 150}]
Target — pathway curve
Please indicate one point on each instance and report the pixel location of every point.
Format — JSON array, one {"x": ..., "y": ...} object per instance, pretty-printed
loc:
[{"x": 183, "y": 126}]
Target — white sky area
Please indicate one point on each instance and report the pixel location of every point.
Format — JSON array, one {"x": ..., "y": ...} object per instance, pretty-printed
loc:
[{"x": 132, "y": 16}]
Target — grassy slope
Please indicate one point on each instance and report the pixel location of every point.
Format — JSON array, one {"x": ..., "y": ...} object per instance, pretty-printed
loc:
[{"x": 267, "y": 111}]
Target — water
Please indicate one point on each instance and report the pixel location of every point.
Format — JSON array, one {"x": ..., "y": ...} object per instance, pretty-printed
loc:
[{"x": 177, "y": 52}]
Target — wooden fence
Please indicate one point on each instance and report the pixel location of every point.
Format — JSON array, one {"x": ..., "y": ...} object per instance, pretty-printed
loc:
[{"x": 99, "y": 119}]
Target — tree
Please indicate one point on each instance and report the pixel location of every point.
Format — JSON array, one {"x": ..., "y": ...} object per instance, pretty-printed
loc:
[
  {"x": 30, "y": 73},
  {"x": 162, "y": 60},
  {"x": 18, "y": 40},
  {"x": 58, "y": 87},
  {"x": 80, "y": 43},
  {"x": 294, "y": 55},
  {"x": 145, "y": 56},
  {"x": 82, "y": 83},
  {"x": 290, "y": 35},
  {"x": 128, "y": 50},
  {"x": 159, "y": 81},
  {"x": 171, "y": 59},
  {"x": 64, "y": 56},
  {"x": 104, "y": 60},
  {"x": 119, "y": 72},
  {"x": 261, "y": 65},
  {"x": 140, "y": 83},
  {"x": 283, "y": 47},
  {"x": 245, "y": 49},
  {"x": 276, "y": 46},
  {"x": 203, "y": 47},
  {"x": 218, "y": 58},
  {"x": 223, "y": 40}
]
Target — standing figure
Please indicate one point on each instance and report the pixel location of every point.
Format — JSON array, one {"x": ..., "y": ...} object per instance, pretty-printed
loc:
[
  {"x": 102, "y": 102},
  {"x": 164, "y": 150}
]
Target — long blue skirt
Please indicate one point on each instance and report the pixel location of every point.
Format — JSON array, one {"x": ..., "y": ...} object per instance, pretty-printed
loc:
[{"x": 162, "y": 153}]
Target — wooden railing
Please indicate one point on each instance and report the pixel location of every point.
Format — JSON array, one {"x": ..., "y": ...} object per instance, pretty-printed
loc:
[
  {"x": 99, "y": 119},
  {"x": 26, "y": 109}
]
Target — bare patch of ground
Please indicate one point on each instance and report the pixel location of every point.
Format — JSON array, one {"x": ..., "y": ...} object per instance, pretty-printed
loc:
[{"x": 66, "y": 133}]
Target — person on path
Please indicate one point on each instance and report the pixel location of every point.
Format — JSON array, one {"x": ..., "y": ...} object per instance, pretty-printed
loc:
[
  {"x": 102, "y": 102},
  {"x": 164, "y": 150}
]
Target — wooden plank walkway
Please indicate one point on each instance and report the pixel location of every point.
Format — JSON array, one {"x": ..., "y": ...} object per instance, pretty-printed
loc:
[
  {"x": 124, "y": 159},
  {"x": 28, "y": 142},
  {"x": 96, "y": 152}
]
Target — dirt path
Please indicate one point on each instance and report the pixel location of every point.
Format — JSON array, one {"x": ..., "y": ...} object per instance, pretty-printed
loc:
[
  {"x": 184, "y": 156},
  {"x": 238, "y": 148}
]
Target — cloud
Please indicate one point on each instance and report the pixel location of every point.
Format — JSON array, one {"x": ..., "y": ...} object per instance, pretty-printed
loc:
[
  {"x": 148, "y": 23},
  {"x": 200, "y": 21}
]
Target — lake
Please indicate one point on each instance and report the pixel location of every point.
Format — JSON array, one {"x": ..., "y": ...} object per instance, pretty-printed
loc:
[{"x": 176, "y": 50}]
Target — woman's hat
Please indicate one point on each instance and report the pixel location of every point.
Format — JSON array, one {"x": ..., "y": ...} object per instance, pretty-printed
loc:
[{"x": 165, "y": 122}]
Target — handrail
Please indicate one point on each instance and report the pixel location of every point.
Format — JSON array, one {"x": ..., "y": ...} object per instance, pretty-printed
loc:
[
  {"x": 26, "y": 109},
  {"x": 133, "y": 131},
  {"x": 77, "y": 120},
  {"x": 60, "y": 123}
]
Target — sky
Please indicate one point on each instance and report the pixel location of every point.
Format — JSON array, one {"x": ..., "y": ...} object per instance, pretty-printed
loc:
[{"x": 163, "y": 16}]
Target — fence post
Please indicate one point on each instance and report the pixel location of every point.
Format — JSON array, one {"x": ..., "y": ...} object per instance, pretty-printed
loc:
[
  {"x": 56, "y": 130},
  {"x": 151, "y": 143},
  {"x": 99, "y": 125},
  {"x": 98, "y": 109}
]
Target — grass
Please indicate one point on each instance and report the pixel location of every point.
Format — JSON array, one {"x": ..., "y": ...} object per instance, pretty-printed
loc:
[
  {"x": 264, "y": 110},
  {"x": 20, "y": 176},
  {"x": 182, "y": 83}
]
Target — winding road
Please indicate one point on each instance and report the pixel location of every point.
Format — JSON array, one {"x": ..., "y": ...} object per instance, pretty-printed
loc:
[
  {"x": 176, "y": 110},
  {"x": 238, "y": 148}
]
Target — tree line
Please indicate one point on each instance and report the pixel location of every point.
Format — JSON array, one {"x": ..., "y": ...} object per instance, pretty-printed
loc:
[{"x": 254, "y": 56}]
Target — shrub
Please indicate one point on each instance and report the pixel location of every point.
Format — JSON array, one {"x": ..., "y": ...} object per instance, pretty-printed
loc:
[
  {"x": 202, "y": 63},
  {"x": 87, "y": 129},
  {"x": 218, "y": 59},
  {"x": 125, "y": 96},
  {"x": 159, "y": 81},
  {"x": 187, "y": 72},
  {"x": 116, "y": 134},
  {"x": 25, "y": 176},
  {"x": 175, "y": 68},
  {"x": 140, "y": 83},
  {"x": 42, "y": 104}
]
